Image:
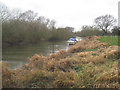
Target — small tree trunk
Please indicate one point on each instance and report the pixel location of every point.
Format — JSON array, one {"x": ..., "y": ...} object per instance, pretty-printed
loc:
[{"x": 105, "y": 32}]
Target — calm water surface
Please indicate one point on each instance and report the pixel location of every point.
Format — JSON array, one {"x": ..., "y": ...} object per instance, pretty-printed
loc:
[{"x": 19, "y": 55}]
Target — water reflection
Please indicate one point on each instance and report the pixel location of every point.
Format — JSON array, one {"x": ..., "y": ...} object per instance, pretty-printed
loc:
[{"x": 19, "y": 55}]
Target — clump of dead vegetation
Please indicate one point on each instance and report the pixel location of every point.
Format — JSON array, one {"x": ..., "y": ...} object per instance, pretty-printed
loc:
[
  {"x": 72, "y": 68},
  {"x": 61, "y": 54},
  {"x": 37, "y": 61}
]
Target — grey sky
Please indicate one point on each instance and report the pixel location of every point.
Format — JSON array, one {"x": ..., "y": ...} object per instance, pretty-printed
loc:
[{"x": 74, "y": 13}]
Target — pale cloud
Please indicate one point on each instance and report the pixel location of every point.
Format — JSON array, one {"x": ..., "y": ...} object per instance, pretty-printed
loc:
[{"x": 73, "y": 13}]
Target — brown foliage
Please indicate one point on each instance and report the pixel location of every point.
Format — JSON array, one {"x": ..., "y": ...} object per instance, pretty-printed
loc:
[
  {"x": 37, "y": 61},
  {"x": 7, "y": 80},
  {"x": 64, "y": 80},
  {"x": 59, "y": 55},
  {"x": 80, "y": 69},
  {"x": 62, "y": 65}
]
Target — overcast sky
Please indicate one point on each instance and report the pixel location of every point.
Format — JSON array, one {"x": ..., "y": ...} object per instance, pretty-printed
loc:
[{"x": 74, "y": 13}]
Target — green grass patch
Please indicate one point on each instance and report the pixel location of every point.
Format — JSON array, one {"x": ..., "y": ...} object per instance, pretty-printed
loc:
[
  {"x": 92, "y": 49},
  {"x": 112, "y": 40}
]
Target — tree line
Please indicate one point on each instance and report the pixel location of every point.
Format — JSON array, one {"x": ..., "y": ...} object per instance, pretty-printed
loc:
[
  {"x": 19, "y": 28},
  {"x": 103, "y": 25}
]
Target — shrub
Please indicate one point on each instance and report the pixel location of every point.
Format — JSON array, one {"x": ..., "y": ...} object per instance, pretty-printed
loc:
[
  {"x": 7, "y": 79},
  {"x": 59, "y": 55},
  {"x": 37, "y": 61}
]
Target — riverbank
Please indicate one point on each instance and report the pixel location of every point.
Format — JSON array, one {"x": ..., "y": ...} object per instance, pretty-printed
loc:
[
  {"x": 19, "y": 55},
  {"x": 87, "y": 64}
]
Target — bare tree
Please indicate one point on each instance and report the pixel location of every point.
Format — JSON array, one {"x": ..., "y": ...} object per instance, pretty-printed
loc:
[
  {"x": 4, "y": 12},
  {"x": 70, "y": 29},
  {"x": 52, "y": 24},
  {"x": 28, "y": 16},
  {"x": 105, "y": 22},
  {"x": 87, "y": 27},
  {"x": 15, "y": 13}
]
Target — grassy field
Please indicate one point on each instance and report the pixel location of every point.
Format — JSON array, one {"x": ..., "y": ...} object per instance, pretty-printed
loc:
[{"x": 112, "y": 40}]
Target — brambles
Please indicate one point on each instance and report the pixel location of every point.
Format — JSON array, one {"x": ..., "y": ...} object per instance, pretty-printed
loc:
[
  {"x": 62, "y": 65},
  {"x": 59, "y": 55},
  {"x": 63, "y": 80},
  {"x": 108, "y": 79},
  {"x": 65, "y": 65},
  {"x": 84, "y": 54},
  {"x": 7, "y": 79},
  {"x": 51, "y": 66},
  {"x": 37, "y": 61}
]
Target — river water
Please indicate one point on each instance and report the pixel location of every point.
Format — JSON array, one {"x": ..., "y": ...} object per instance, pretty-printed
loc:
[{"x": 18, "y": 56}]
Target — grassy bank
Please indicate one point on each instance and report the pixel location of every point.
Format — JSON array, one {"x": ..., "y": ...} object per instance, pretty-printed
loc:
[
  {"x": 87, "y": 64},
  {"x": 112, "y": 40}
]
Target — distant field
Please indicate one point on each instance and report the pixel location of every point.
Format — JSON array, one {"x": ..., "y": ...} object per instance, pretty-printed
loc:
[{"x": 112, "y": 40}]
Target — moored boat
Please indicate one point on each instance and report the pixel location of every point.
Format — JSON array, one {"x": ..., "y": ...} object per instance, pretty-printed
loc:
[{"x": 73, "y": 41}]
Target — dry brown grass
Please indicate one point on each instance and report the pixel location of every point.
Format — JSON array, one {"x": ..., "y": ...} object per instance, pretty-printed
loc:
[
  {"x": 72, "y": 68},
  {"x": 67, "y": 79},
  {"x": 108, "y": 79},
  {"x": 62, "y": 65},
  {"x": 37, "y": 61},
  {"x": 99, "y": 56},
  {"x": 59, "y": 55},
  {"x": 7, "y": 76}
]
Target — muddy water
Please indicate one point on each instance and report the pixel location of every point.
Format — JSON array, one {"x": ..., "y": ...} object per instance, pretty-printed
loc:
[{"x": 19, "y": 55}]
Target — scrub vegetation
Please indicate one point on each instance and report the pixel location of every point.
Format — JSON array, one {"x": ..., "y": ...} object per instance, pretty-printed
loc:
[
  {"x": 78, "y": 67},
  {"x": 91, "y": 63}
]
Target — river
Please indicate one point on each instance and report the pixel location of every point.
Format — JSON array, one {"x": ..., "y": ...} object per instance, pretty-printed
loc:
[{"x": 19, "y": 55}]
